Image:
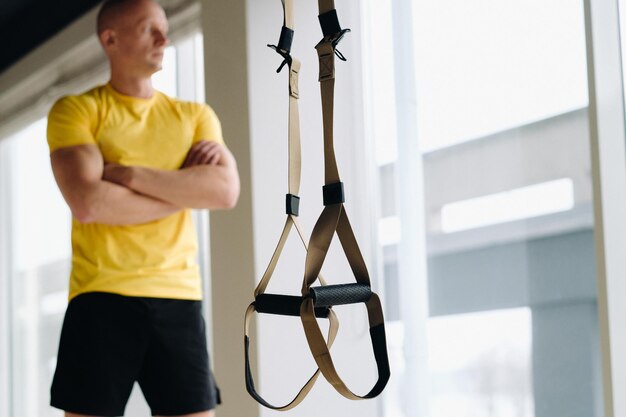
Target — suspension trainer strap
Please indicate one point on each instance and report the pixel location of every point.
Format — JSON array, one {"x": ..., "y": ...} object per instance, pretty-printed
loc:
[
  {"x": 334, "y": 219},
  {"x": 250, "y": 387},
  {"x": 276, "y": 303}
]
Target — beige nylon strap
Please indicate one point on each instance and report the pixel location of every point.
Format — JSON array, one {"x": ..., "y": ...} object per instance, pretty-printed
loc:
[
  {"x": 294, "y": 177},
  {"x": 326, "y": 56},
  {"x": 267, "y": 275},
  {"x": 321, "y": 353},
  {"x": 295, "y": 157},
  {"x": 334, "y": 219},
  {"x": 287, "y": 13},
  {"x": 326, "y": 6},
  {"x": 333, "y": 329}
]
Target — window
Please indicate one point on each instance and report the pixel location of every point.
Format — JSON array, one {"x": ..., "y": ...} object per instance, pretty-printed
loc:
[
  {"x": 479, "y": 364},
  {"x": 491, "y": 66},
  {"x": 40, "y": 264},
  {"x": 521, "y": 203},
  {"x": 480, "y": 134}
]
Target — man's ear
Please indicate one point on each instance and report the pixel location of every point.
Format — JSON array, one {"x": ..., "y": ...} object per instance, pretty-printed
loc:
[{"x": 108, "y": 39}]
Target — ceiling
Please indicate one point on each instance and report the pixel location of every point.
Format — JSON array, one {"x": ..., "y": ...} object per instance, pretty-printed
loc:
[{"x": 26, "y": 24}]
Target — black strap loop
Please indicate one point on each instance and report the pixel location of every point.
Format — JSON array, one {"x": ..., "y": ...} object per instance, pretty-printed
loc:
[
  {"x": 306, "y": 388},
  {"x": 333, "y": 193},
  {"x": 329, "y": 23},
  {"x": 284, "y": 305},
  {"x": 292, "y": 204},
  {"x": 285, "y": 40}
]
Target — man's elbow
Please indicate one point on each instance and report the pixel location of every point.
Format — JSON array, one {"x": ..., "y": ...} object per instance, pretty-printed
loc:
[
  {"x": 83, "y": 216},
  {"x": 83, "y": 210},
  {"x": 231, "y": 196},
  {"x": 229, "y": 193}
]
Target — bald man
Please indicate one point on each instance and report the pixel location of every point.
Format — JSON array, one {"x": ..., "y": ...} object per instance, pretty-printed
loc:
[{"x": 131, "y": 162}]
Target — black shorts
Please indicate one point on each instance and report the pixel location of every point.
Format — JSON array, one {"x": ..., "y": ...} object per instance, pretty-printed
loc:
[{"x": 109, "y": 341}]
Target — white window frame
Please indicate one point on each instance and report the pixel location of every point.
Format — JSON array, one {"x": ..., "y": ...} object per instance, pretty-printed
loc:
[
  {"x": 5, "y": 289},
  {"x": 608, "y": 150},
  {"x": 409, "y": 176}
]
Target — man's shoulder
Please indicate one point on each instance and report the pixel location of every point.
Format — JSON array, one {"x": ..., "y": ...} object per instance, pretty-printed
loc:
[{"x": 87, "y": 101}]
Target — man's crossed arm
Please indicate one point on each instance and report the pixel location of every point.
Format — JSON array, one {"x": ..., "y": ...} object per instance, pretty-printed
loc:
[{"x": 112, "y": 194}]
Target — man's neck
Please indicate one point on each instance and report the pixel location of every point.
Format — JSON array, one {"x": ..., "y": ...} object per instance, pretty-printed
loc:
[{"x": 139, "y": 87}]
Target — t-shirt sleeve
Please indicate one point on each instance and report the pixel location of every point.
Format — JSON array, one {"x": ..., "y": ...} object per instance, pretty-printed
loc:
[
  {"x": 208, "y": 126},
  {"x": 70, "y": 123}
]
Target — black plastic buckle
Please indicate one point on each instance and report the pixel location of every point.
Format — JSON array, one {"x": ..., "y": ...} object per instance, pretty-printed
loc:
[
  {"x": 332, "y": 31},
  {"x": 329, "y": 23},
  {"x": 284, "y": 46},
  {"x": 333, "y": 194},
  {"x": 292, "y": 203}
]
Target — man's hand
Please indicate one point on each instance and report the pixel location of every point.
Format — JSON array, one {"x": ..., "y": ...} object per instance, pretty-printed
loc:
[
  {"x": 118, "y": 174},
  {"x": 205, "y": 153},
  {"x": 208, "y": 178}
]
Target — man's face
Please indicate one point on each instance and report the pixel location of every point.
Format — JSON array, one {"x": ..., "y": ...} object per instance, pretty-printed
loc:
[{"x": 138, "y": 38}]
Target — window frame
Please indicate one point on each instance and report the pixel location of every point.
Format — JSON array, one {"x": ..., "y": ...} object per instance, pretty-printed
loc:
[
  {"x": 608, "y": 150},
  {"x": 6, "y": 316}
]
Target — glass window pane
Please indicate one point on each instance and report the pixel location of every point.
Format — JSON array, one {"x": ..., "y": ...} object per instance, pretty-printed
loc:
[
  {"x": 491, "y": 66},
  {"x": 165, "y": 80},
  {"x": 499, "y": 112},
  {"x": 480, "y": 364},
  {"x": 40, "y": 269}
]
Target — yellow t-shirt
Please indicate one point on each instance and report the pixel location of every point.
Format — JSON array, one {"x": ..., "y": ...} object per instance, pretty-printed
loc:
[{"x": 155, "y": 259}]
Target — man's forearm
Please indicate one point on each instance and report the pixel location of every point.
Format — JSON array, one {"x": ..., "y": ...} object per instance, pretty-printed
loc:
[
  {"x": 113, "y": 204},
  {"x": 201, "y": 186}
]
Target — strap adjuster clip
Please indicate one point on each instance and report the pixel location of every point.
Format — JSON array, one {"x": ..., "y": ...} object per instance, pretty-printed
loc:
[
  {"x": 284, "y": 46},
  {"x": 332, "y": 31}
]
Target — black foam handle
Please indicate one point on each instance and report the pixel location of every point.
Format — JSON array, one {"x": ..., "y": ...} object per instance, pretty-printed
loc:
[
  {"x": 284, "y": 305},
  {"x": 332, "y": 295}
]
